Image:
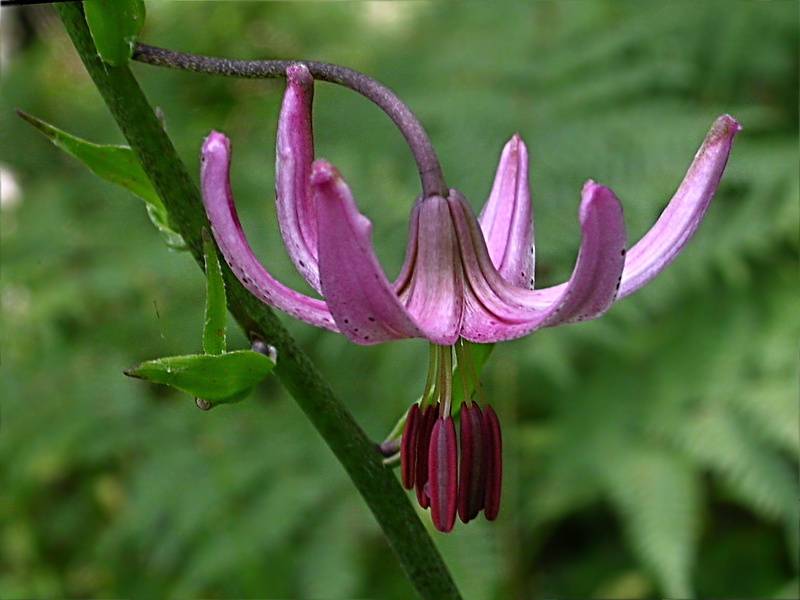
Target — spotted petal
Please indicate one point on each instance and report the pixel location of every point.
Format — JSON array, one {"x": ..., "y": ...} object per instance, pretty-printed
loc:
[
  {"x": 218, "y": 201},
  {"x": 683, "y": 214},
  {"x": 359, "y": 297}
]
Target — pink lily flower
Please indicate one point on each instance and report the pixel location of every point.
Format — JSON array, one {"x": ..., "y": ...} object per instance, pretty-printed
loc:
[{"x": 465, "y": 277}]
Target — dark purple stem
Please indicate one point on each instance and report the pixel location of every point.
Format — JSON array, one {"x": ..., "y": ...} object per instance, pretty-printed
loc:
[{"x": 430, "y": 172}]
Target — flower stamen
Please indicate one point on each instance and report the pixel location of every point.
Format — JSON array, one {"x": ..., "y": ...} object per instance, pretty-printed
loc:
[
  {"x": 452, "y": 474},
  {"x": 429, "y": 418},
  {"x": 443, "y": 474},
  {"x": 473, "y": 471}
]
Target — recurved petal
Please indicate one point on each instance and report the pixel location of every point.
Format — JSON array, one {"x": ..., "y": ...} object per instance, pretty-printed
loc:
[
  {"x": 431, "y": 283},
  {"x": 506, "y": 218},
  {"x": 357, "y": 292},
  {"x": 683, "y": 214},
  {"x": 594, "y": 283},
  {"x": 218, "y": 202},
  {"x": 293, "y": 158},
  {"x": 497, "y": 311}
]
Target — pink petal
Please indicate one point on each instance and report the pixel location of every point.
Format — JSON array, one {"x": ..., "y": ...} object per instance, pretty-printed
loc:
[
  {"x": 218, "y": 201},
  {"x": 431, "y": 283},
  {"x": 683, "y": 214},
  {"x": 595, "y": 281},
  {"x": 506, "y": 217},
  {"x": 293, "y": 158},
  {"x": 497, "y": 311},
  {"x": 358, "y": 294}
]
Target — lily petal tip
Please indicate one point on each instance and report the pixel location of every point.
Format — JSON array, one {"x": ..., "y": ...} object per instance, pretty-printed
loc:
[
  {"x": 515, "y": 149},
  {"x": 298, "y": 74},
  {"x": 216, "y": 142},
  {"x": 722, "y": 130},
  {"x": 323, "y": 173},
  {"x": 594, "y": 192}
]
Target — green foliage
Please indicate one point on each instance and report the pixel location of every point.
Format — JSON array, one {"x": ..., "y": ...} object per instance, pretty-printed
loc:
[
  {"x": 212, "y": 378},
  {"x": 215, "y": 377},
  {"x": 118, "y": 165},
  {"x": 114, "y": 25},
  {"x": 651, "y": 453},
  {"x": 215, "y": 324}
]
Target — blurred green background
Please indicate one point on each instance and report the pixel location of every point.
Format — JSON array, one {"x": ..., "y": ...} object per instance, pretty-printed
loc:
[{"x": 651, "y": 453}]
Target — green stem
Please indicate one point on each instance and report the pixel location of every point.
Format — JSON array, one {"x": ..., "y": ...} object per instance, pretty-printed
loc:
[{"x": 378, "y": 485}]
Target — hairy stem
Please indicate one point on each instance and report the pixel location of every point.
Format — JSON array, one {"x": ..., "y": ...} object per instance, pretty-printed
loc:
[
  {"x": 358, "y": 455},
  {"x": 430, "y": 172}
]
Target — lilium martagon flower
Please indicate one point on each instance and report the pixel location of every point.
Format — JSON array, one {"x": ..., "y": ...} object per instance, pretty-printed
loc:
[{"x": 465, "y": 278}]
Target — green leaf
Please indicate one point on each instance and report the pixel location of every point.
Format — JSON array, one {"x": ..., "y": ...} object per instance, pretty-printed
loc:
[
  {"x": 216, "y": 307},
  {"x": 114, "y": 25},
  {"x": 220, "y": 379},
  {"x": 118, "y": 165}
]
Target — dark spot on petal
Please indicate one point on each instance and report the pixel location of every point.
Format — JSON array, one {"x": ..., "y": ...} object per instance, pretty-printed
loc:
[
  {"x": 302, "y": 264},
  {"x": 346, "y": 321},
  {"x": 623, "y": 252},
  {"x": 372, "y": 319}
]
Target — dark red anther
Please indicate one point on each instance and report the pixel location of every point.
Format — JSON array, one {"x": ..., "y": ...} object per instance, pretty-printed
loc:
[
  {"x": 408, "y": 447},
  {"x": 443, "y": 474},
  {"x": 426, "y": 422},
  {"x": 494, "y": 463},
  {"x": 472, "y": 470}
]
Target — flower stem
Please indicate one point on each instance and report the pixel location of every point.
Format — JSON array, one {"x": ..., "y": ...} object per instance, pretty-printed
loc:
[
  {"x": 461, "y": 362},
  {"x": 446, "y": 379},
  {"x": 429, "y": 395},
  {"x": 430, "y": 171},
  {"x": 358, "y": 455}
]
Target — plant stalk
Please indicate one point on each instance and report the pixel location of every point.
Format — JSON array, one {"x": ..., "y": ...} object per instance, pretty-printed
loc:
[{"x": 359, "y": 456}]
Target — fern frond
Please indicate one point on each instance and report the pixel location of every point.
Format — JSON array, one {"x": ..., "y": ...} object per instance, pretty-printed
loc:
[{"x": 658, "y": 497}]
